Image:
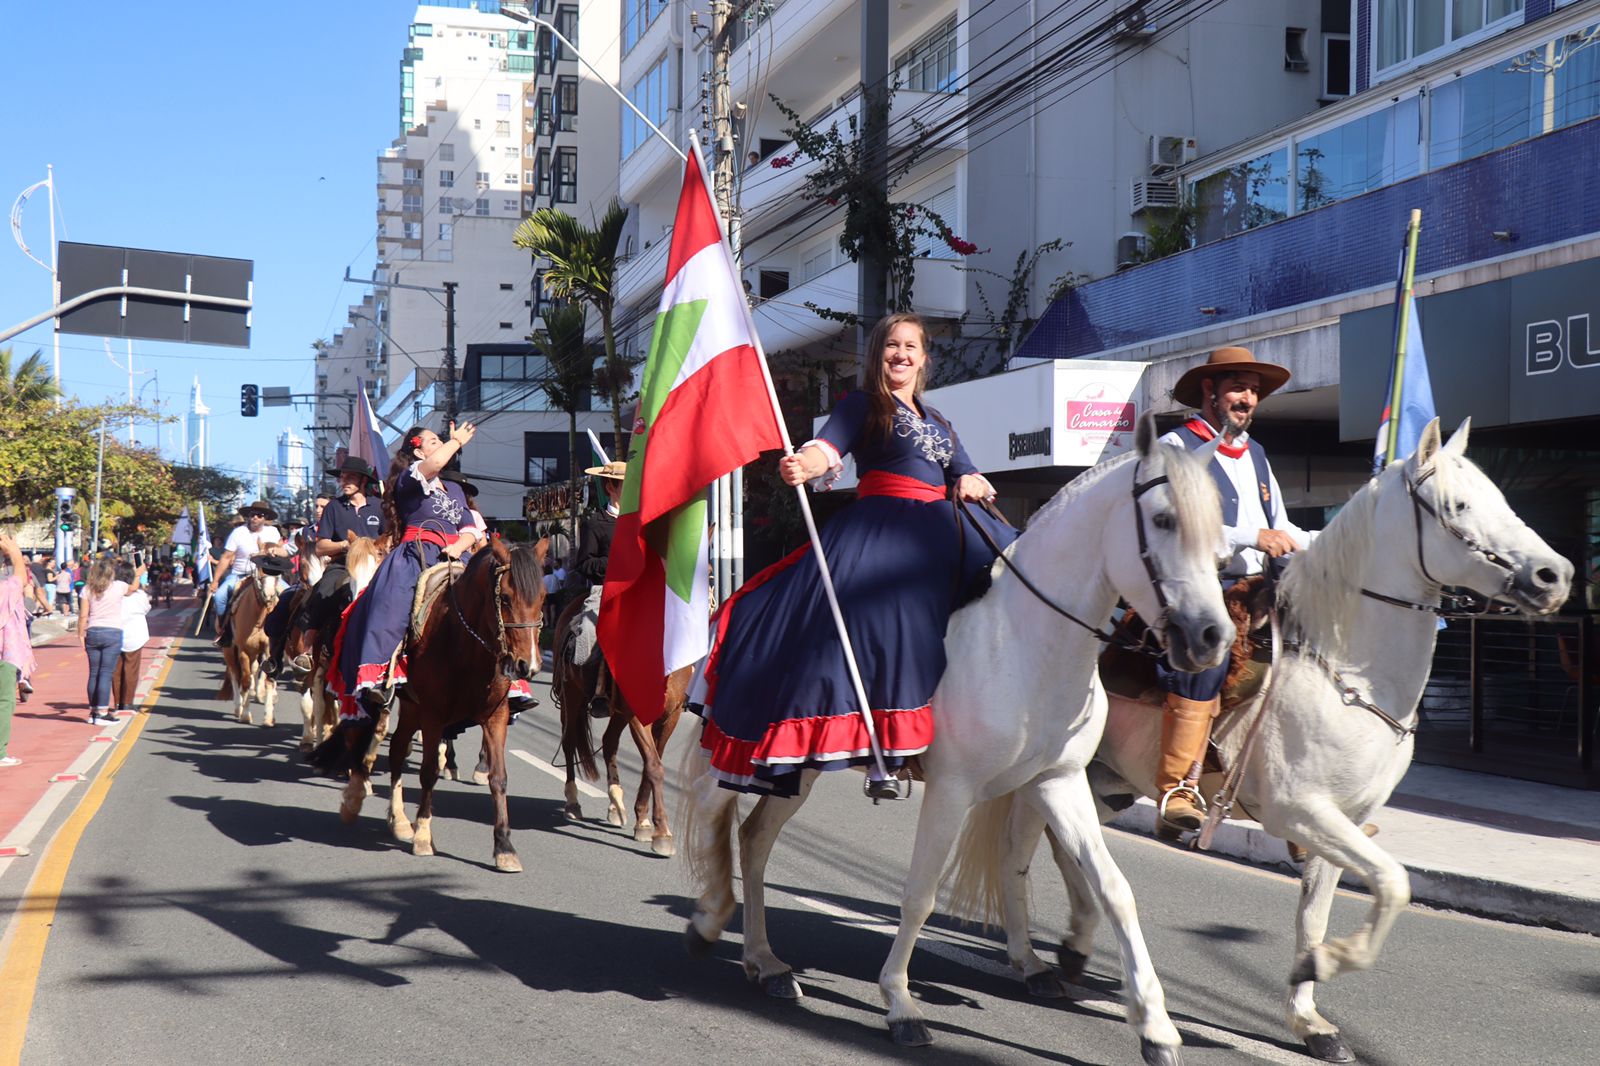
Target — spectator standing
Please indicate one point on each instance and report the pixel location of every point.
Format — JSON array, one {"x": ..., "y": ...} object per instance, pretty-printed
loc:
[
  {"x": 38, "y": 589},
  {"x": 135, "y": 635},
  {"x": 64, "y": 588},
  {"x": 16, "y": 654},
  {"x": 100, "y": 626}
]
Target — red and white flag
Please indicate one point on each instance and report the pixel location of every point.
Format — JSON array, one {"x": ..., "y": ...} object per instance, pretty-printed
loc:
[{"x": 705, "y": 408}]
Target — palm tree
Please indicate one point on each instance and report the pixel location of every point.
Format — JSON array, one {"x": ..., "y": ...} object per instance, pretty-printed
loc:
[
  {"x": 571, "y": 377},
  {"x": 30, "y": 382},
  {"x": 583, "y": 267}
]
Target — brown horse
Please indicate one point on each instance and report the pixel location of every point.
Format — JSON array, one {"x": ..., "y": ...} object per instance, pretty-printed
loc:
[
  {"x": 254, "y": 599},
  {"x": 479, "y": 633},
  {"x": 572, "y": 687},
  {"x": 319, "y": 711}
]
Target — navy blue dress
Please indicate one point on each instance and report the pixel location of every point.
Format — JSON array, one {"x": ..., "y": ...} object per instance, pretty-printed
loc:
[
  {"x": 777, "y": 696},
  {"x": 431, "y": 514}
]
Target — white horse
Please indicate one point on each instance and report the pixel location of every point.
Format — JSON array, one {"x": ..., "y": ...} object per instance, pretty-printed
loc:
[
  {"x": 1020, "y": 707},
  {"x": 1359, "y": 603}
]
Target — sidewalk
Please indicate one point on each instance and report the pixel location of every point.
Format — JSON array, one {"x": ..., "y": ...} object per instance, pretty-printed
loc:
[
  {"x": 50, "y": 733},
  {"x": 1494, "y": 846}
]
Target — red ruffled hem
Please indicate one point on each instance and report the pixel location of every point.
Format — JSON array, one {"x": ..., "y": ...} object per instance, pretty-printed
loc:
[{"x": 820, "y": 739}]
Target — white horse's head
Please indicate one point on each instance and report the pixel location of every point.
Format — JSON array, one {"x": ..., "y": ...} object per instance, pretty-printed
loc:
[
  {"x": 1465, "y": 532},
  {"x": 1161, "y": 551}
]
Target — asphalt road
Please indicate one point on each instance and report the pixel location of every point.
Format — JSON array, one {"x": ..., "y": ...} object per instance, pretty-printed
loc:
[{"x": 218, "y": 912}]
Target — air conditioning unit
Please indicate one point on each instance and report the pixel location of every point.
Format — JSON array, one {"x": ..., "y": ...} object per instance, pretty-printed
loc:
[
  {"x": 1131, "y": 249},
  {"x": 1168, "y": 152},
  {"x": 1154, "y": 196},
  {"x": 1133, "y": 22}
]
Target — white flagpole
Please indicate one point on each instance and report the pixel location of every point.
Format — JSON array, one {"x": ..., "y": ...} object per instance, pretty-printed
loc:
[{"x": 864, "y": 706}]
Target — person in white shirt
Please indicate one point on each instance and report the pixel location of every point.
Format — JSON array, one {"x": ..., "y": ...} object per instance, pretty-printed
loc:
[
  {"x": 253, "y": 537},
  {"x": 135, "y": 635},
  {"x": 1225, "y": 389}
]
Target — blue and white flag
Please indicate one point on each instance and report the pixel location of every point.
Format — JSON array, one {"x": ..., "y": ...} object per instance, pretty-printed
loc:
[
  {"x": 1414, "y": 391},
  {"x": 183, "y": 529},
  {"x": 202, "y": 562}
]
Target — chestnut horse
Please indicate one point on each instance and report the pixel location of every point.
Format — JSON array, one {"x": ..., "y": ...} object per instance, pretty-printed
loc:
[
  {"x": 255, "y": 598},
  {"x": 318, "y": 709},
  {"x": 480, "y": 632},
  {"x": 572, "y": 687}
]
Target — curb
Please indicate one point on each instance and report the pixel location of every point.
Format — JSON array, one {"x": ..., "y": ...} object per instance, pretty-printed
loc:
[{"x": 1470, "y": 893}]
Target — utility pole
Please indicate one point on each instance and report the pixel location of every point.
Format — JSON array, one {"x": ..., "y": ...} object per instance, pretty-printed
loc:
[
  {"x": 727, "y": 493},
  {"x": 873, "y": 266},
  {"x": 450, "y": 351},
  {"x": 99, "y": 472}
]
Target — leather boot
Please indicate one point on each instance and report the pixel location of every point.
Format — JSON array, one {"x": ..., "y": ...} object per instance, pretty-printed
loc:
[{"x": 1185, "y": 727}]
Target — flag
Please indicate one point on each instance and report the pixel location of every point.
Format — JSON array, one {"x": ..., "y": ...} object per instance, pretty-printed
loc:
[
  {"x": 705, "y": 409},
  {"x": 202, "y": 560},
  {"x": 600, "y": 456},
  {"x": 1409, "y": 387},
  {"x": 183, "y": 529},
  {"x": 366, "y": 439}
]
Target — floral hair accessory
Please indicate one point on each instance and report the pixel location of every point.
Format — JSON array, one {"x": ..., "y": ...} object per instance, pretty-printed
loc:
[{"x": 416, "y": 442}]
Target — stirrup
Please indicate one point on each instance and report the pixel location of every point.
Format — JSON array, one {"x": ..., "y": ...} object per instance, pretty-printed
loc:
[
  {"x": 1183, "y": 787},
  {"x": 879, "y": 789}
]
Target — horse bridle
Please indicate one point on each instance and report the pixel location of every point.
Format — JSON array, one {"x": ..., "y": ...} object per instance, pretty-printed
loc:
[
  {"x": 1450, "y": 605},
  {"x": 1142, "y": 645},
  {"x": 500, "y": 623}
]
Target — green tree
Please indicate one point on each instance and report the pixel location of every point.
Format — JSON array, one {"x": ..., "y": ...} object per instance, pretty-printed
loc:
[
  {"x": 571, "y": 377},
  {"x": 583, "y": 267},
  {"x": 27, "y": 382}
]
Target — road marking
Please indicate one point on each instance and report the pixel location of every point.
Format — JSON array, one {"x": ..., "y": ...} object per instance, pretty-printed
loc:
[
  {"x": 1256, "y": 1049},
  {"x": 29, "y": 929},
  {"x": 560, "y": 775}
]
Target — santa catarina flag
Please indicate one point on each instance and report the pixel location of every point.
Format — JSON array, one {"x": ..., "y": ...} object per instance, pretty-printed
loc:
[{"x": 705, "y": 408}]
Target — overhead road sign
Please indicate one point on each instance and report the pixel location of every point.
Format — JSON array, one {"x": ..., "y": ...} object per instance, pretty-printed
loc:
[{"x": 152, "y": 295}]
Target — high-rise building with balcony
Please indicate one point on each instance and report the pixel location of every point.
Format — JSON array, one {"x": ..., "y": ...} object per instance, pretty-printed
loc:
[{"x": 197, "y": 429}]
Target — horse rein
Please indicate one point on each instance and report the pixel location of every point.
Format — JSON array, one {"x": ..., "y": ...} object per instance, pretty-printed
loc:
[
  {"x": 1141, "y": 646},
  {"x": 1451, "y": 605},
  {"x": 500, "y": 623}
]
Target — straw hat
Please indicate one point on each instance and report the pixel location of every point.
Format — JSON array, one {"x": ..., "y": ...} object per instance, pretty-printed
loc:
[
  {"x": 1226, "y": 361},
  {"x": 616, "y": 470}
]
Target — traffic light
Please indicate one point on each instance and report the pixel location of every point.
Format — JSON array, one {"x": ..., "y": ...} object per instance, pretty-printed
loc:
[
  {"x": 249, "y": 397},
  {"x": 64, "y": 515}
]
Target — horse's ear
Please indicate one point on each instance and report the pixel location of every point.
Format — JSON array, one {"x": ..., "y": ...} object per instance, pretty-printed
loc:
[
  {"x": 1427, "y": 446},
  {"x": 1144, "y": 435},
  {"x": 1457, "y": 445},
  {"x": 1208, "y": 449},
  {"x": 498, "y": 549},
  {"x": 541, "y": 549}
]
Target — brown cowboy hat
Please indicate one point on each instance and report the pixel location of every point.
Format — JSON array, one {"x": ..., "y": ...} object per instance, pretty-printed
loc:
[
  {"x": 1228, "y": 361},
  {"x": 616, "y": 470},
  {"x": 260, "y": 507}
]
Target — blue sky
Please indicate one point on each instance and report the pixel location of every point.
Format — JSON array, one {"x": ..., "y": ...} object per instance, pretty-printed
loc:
[{"x": 243, "y": 130}]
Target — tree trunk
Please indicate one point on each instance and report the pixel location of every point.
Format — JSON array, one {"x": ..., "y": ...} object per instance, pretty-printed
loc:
[{"x": 614, "y": 374}]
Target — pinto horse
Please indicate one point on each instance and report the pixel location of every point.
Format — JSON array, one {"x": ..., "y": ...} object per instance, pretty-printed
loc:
[
  {"x": 254, "y": 599},
  {"x": 573, "y": 686},
  {"x": 318, "y": 710},
  {"x": 480, "y": 633}
]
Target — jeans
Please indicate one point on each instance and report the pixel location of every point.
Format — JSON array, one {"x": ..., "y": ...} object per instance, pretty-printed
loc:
[
  {"x": 104, "y": 646},
  {"x": 219, "y": 602}
]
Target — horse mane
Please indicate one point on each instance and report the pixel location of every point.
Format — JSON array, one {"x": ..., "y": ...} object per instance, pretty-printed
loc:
[
  {"x": 1195, "y": 501},
  {"x": 527, "y": 573},
  {"x": 1321, "y": 587}
]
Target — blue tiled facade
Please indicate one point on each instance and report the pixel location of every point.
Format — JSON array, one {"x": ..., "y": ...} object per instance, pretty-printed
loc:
[
  {"x": 1537, "y": 9},
  {"x": 1544, "y": 190}
]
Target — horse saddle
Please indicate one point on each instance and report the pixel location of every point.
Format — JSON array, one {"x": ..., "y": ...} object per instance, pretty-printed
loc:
[
  {"x": 433, "y": 581},
  {"x": 1132, "y": 675}
]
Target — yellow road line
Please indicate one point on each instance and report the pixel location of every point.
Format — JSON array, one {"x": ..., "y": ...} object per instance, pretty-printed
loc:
[{"x": 19, "y": 973}]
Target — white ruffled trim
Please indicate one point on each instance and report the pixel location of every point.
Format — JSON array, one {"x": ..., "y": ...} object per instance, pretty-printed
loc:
[
  {"x": 829, "y": 477},
  {"x": 429, "y": 484}
]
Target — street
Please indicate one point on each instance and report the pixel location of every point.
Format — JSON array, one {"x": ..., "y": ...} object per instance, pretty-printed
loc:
[{"x": 216, "y": 911}]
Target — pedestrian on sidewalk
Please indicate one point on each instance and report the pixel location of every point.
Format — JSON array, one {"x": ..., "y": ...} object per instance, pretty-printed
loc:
[
  {"x": 64, "y": 588},
  {"x": 100, "y": 626},
  {"x": 38, "y": 590},
  {"x": 16, "y": 653},
  {"x": 135, "y": 635}
]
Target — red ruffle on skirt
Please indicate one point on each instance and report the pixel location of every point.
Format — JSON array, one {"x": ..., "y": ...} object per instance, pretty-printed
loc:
[{"x": 817, "y": 741}]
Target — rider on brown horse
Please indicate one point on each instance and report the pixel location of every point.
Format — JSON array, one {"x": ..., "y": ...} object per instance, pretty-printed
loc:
[{"x": 594, "y": 549}]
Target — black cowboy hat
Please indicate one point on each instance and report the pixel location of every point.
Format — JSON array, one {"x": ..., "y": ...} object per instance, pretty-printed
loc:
[
  {"x": 354, "y": 465},
  {"x": 460, "y": 479},
  {"x": 1228, "y": 361},
  {"x": 273, "y": 565},
  {"x": 260, "y": 507}
]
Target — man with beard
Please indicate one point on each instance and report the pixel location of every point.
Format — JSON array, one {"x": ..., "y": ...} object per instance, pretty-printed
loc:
[{"x": 1225, "y": 389}]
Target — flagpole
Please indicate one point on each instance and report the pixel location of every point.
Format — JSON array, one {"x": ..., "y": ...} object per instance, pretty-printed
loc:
[
  {"x": 863, "y": 705},
  {"x": 1402, "y": 319}
]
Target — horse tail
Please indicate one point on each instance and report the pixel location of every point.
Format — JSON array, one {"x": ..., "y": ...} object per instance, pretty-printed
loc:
[
  {"x": 708, "y": 858},
  {"x": 577, "y": 737},
  {"x": 975, "y": 876},
  {"x": 346, "y": 749}
]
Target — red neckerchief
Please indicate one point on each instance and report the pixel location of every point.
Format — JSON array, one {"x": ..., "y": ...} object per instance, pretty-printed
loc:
[{"x": 1203, "y": 430}]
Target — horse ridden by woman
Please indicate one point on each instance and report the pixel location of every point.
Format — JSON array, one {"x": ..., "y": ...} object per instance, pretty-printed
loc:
[
  {"x": 1006, "y": 685},
  {"x": 1358, "y": 609}
]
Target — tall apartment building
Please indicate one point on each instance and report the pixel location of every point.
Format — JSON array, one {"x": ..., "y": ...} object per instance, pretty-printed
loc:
[
  {"x": 292, "y": 471},
  {"x": 353, "y": 355},
  {"x": 197, "y": 429},
  {"x": 497, "y": 118}
]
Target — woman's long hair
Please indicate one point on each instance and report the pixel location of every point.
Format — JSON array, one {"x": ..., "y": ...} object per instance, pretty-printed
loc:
[
  {"x": 880, "y": 398},
  {"x": 404, "y": 456},
  {"x": 101, "y": 575}
]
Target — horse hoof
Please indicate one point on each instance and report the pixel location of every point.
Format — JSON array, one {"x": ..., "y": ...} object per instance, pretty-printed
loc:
[
  {"x": 1329, "y": 1047},
  {"x": 1045, "y": 985},
  {"x": 642, "y": 832},
  {"x": 403, "y": 831},
  {"x": 696, "y": 945},
  {"x": 1305, "y": 969},
  {"x": 1073, "y": 964},
  {"x": 782, "y": 986},
  {"x": 664, "y": 846},
  {"x": 369, "y": 786},
  {"x": 614, "y": 817},
  {"x": 1155, "y": 1054},
  {"x": 421, "y": 847},
  {"x": 447, "y": 774},
  {"x": 573, "y": 812},
  {"x": 508, "y": 863},
  {"x": 479, "y": 777},
  {"x": 348, "y": 815},
  {"x": 913, "y": 1032}
]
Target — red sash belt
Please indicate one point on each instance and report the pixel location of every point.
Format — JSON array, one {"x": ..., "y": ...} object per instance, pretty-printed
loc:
[
  {"x": 883, "y": 483},
  {"x": 432, "y": 536}
]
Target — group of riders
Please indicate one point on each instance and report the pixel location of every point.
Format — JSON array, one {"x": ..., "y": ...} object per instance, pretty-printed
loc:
[{"x": 775, "y": 693}]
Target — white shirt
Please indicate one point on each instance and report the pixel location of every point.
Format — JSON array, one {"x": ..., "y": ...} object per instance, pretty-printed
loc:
[
  {"x": 244, "y": 544},
  {"x": 1239, "y": 539},
  {"x": 135, "y": 629}
]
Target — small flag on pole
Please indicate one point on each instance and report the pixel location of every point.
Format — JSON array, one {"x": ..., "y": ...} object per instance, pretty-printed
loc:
[
  {"x": 705, "y": 408},
  {"x": 1408, "y": 406},
  {"x": 183, "y": 529},
  {"x": 600, "y": 456},
  {"x": 366, "y": 439},
  {"x": 202, "y": 560}
]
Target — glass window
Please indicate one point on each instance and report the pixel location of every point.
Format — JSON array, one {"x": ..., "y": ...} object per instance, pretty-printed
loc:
[
  {"x": 482, "y": 179},
  {"x": 542, "y": 172},
  {"x": 567, "y": 25},
  {"x": 1364, "y": 154},
  {"x": 546, "y": 112},
  {"x": 567, "y": 104},
  {"x": 502, "y": 102},
  {"x": 447, "y": 153},
  {"x": 637, "y": 15},
  {"x": 1485, "y": 110},
  {"x": 566, "y": 176},
  {"x": 932, "y": 245},
  {"x": 502, "y": 128},
  {"x": 932, "y": 65},
  {"x": 480, "y": 207},
  {"x": 411, "y": 202},
  {"x": 447, "y": 231},
  {"x": 1407, "y": 29},
  {"x": 413, "y": 231},
  {"x": 447, "y": 179},
  {"x": 650, "y": 95},
  {"x": 1242, "y": 196}
]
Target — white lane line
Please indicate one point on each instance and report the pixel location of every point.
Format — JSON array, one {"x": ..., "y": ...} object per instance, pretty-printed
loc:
[
  {"x": 1256, "y": 1049},
  {"x": 560, "y": 775}
]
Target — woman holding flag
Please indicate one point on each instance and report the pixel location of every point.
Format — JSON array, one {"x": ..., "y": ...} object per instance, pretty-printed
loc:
[{"x": 777, "y": 692}]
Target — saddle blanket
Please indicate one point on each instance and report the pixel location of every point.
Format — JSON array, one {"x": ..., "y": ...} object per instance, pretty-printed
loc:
[{"x": 583, "y": 628}]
